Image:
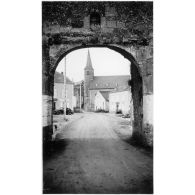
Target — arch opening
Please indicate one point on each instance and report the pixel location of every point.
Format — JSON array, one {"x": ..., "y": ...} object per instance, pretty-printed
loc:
[
  {"x": 123, "y": 52},
  {"x": 136, "y": 83}
]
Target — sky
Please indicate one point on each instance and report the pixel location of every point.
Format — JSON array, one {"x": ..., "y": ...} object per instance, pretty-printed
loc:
[{"x": 104, "y": 61}]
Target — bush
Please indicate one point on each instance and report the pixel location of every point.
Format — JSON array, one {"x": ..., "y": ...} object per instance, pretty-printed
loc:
[
  {"x": 101, "y": 110},
  {"x": 119, "y": 112}
]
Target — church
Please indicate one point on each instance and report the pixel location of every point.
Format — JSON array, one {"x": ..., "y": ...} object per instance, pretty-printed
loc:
[{"x": 93, "y": 85}]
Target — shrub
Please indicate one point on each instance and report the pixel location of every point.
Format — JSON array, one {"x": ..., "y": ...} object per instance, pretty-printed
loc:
[
  {"x": 119, "y": 112},
  {"x": 101, "y": 110}
]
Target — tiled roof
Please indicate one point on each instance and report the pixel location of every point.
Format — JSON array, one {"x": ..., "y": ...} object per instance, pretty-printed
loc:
[
  {"x": 59, "y": 78},
  {"x": 109, "y": 82},
  {"x": 120, "y": 90},
  {"x": 105, "y": 94}
]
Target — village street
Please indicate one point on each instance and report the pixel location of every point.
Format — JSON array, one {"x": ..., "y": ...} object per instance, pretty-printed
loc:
[{"x": 90, "y": 155}]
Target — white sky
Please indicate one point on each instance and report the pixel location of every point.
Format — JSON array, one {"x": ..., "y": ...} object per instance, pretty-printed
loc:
[{"x": 104, "y": 61}]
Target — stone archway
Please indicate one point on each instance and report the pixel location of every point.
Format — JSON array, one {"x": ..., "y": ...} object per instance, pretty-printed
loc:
[{"x": 117, "y": 32}]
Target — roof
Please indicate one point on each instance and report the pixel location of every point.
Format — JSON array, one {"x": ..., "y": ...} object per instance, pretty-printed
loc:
[
  {"x": 109, "y": 82},
  {"x": 120, "y": 90},
  {"x": 79, "y": 82},
  {"x": 89, "y": 63},
  {"x": 105, "y": 94},
  {"x": 59, "y": 78}
]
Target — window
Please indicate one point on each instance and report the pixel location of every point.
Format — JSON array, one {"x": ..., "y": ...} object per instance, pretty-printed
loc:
[
  {"x": 95, "y": 18},
  {"x": 87, "y": 73},
  {"x": 95, "y": 21}
]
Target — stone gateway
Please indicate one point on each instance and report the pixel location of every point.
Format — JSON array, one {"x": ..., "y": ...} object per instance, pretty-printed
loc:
[{"x": 125, "y": 27}]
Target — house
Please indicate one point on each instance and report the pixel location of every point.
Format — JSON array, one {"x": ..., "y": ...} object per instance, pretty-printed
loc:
[
  {"x": 59, "y": 94},
  {"x": 102, "y": 101},
  {"x": 93, "y": 84},
  {"x": 121, "y": 101}
]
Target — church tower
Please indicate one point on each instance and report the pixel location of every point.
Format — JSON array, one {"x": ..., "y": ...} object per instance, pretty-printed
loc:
[{"x": 88, "y": 77}]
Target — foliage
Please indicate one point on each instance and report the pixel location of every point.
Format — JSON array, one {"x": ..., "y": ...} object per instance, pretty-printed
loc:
[
  {"x": 101, "y": 110},
  {"x": 119, "y": 112}
]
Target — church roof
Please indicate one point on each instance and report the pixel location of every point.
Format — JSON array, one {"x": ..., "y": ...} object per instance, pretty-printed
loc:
[
  {"x": 59, "y": 78},
  {"x": 89, "y": 63},
  {"x": 105, "y": 94},
  {"x": 109, "y": 82}
]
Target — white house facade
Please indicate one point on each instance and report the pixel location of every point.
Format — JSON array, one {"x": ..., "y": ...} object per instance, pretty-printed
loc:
[
  {"x": 120, "y": 101},
  {"x": 101, "y": 101},
  {"x": 59, "y": 94}
]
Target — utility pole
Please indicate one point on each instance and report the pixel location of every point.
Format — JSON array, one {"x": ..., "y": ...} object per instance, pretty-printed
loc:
[
  {"x": 65, "y": 88},
  {"x": 80, "y": 95}
]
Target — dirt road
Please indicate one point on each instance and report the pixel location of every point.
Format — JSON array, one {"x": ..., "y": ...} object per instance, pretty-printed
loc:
[{"x": 90, "y": 157}]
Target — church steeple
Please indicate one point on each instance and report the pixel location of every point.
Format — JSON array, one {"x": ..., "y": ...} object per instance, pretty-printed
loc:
[
  {"x": 89, "y": 63},
  {"x": 88, "y": 77}
]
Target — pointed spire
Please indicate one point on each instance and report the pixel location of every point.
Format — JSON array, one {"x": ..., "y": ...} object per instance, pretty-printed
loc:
[{"x": 89, "y": 63}]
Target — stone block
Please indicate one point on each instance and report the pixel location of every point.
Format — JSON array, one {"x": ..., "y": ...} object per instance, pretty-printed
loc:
[
  {"x": 148, "y": 67},
  {"x": 120, "y": 24},
  {"x": 103, "y": 22},
  {"x": 46, "y": 110},
  {"x": 111, "y": 24},
  {"x": 148, "y": 134},
  {"x": 148, "y": 109},
  {"x": 148, "y": 84},
  {"x": 86, "y": 22}
]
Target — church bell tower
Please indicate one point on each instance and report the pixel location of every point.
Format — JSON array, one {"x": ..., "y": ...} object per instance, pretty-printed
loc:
[{"x": 88, "y": 77}]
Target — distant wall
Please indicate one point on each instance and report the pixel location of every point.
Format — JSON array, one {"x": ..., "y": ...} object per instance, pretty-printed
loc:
[
  {"x": 100, "y": 102},
  {"x": 92, "y": 94},
  {"x": 59, "y": 95},
  {"x": 124, "y": 102}
]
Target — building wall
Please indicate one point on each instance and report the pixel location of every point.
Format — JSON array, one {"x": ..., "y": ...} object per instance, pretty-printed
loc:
[
  {"x": 77, "y": 99},
  {"x": 100, "y": 102},
  {"x": 88, "y": 77},
  {"x": 59, "y": 95},
  {"x": 92, "y": 94},
  {"x": 74, "y": 104},
  {"x": 124, "y": 101},
  {"x": 77, "y": 95}
]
